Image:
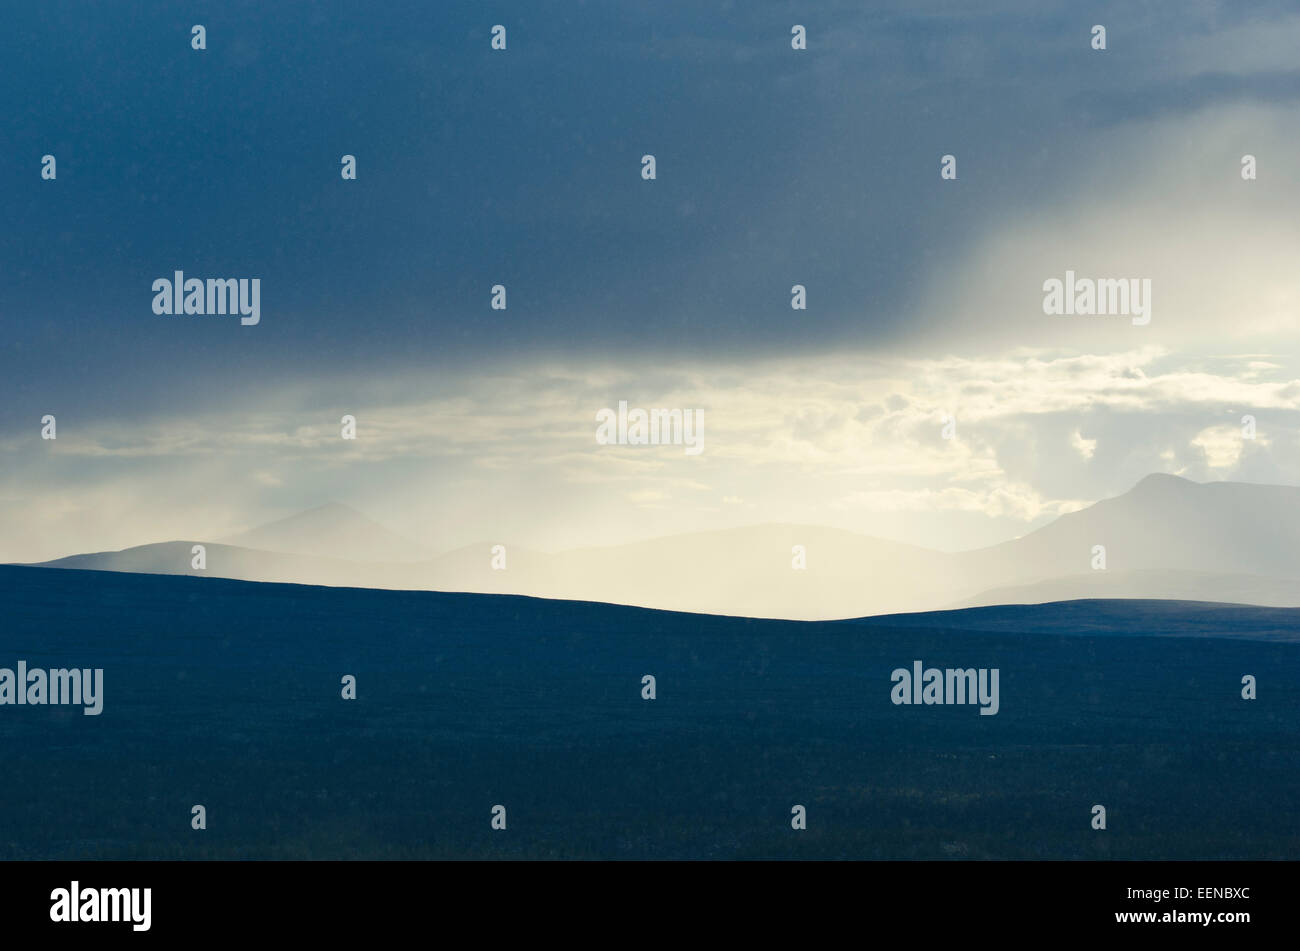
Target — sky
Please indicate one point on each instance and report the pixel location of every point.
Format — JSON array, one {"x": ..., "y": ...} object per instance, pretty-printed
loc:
[{"x": 522, "y": 167}]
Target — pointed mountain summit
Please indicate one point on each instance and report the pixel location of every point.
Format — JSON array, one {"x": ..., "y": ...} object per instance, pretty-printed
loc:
[
  {"x": 1164, "y": 522},
  {"x": 333, "y": 530}
]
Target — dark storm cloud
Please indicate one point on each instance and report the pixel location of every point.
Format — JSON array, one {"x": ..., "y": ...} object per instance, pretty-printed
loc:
[{"x": 522, "y": 168}]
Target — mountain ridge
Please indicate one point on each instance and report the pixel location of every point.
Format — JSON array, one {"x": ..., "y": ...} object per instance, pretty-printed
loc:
[{"x": 1167, "y": 536}]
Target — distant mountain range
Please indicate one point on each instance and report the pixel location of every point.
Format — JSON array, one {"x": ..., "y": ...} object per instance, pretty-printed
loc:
[{"x": 1165, "y": 538}]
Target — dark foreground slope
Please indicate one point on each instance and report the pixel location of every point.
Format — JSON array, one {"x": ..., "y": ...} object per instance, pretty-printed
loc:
[
  {"x": 1100, "y": 616},
  {"x": 226, "y": 693}
]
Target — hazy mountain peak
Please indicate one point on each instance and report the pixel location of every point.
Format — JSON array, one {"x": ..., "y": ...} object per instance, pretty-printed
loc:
[
  {"x": 345, "y": 514},
  {"x": 1161, "y": 481},
  {"x": 333, "y": 530}
]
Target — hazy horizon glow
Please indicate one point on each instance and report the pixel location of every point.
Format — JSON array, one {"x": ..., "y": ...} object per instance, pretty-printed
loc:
[{"x": 514, "y": 458}]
